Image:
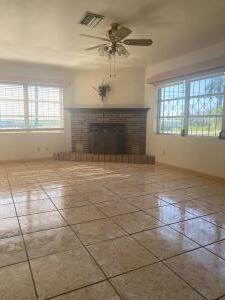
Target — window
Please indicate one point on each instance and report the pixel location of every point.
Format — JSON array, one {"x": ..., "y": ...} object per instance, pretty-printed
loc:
[
  {"x": 171, "y": 115},
  {"x": 30, "y": 107},
  {"x": 193, "y": 107},
  {"x": 206, "y": 102}
]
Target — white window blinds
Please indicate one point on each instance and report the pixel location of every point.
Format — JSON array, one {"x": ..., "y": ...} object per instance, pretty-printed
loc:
[{"x": 30, "y": 107}]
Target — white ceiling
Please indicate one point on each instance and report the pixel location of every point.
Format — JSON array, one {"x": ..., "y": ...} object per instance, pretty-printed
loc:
[{"x": 47, "y": 31}]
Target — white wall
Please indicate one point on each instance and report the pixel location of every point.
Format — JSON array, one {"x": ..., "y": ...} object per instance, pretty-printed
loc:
[
  {"x": 202, "y": 154},
  {"x": 127, "y": 89},
  {"x": 30, "y": 145}
]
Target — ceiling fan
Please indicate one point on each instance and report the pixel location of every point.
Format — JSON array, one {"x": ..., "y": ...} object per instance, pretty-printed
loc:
[{"x": 115, "y": 41}]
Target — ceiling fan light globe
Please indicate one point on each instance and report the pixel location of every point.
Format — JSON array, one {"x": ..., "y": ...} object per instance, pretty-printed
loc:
[
  {"x": 103, "y": 50},
  {"x": 121, "y": 50}
]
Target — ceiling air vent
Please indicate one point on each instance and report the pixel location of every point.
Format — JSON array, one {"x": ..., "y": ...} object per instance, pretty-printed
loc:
[{"x": 91, "y": 19}]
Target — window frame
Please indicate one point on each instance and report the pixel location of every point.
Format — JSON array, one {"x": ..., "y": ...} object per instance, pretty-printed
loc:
[
  {"x": 187, "y": 81},
  {"x": 169, "y": 83},
  {"x": 26, "y": 115}
]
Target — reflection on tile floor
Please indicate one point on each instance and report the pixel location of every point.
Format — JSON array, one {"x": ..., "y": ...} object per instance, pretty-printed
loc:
[{"x": 107, "y": 231}]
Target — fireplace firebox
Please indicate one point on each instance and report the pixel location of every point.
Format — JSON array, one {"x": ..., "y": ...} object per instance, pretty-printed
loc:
[{"x": 107, "y": 138}]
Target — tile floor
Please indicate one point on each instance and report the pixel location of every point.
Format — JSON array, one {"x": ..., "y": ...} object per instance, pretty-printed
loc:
[{"x": 80, "y": 231}]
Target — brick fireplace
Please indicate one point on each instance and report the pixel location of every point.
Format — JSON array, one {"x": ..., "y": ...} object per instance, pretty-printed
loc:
[
  {"x": 109, "y": 128},
  {"x": 108, "y": 135}
]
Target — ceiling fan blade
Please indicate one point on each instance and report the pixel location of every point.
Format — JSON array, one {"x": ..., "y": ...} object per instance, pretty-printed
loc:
[
  {"x": 95, "y": 47},
  {"x": 123, "y": 32},
  {"x": 138, "y": 42},
  {"x": 95, "y": 37}
]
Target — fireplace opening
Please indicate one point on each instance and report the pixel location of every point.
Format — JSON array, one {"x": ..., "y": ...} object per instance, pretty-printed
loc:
[{"x": 107, "y": 138}]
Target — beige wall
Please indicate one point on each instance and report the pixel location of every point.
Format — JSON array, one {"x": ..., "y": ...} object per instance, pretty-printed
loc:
[
  {"x": 127, "y": 89},
  {"x": 201, "y": 154},
  {"x": 30, "y": 145}
]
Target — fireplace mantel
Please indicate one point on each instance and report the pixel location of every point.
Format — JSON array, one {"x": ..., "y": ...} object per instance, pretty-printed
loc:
[{"x": 107, "y": 108}]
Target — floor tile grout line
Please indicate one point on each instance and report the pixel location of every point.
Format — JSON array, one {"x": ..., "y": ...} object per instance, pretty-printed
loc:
[
  {"x": 89, "y": 252},
  {"x": 105, "y": 240},
  {"x": 212, "y": 222},
  {"x": 11, "y": 236},
  {"x": 148, "y": 213},
  {"x": 220, "y": 297},
  {"x": 40, "y": 230},
  {"x": 170, "y": 189},
  {"x": 199, "y": 216},
  {"x": 37, "y": 213},
  {"x": 205, "y": 247},
  {"x": 29, "y": 265},
  {"x": 14, "y": 264},
  {"x": 12, "y": 217},
  {"x": 42, "y": 256},
  {"x": 179, "y": 276},
  {"x": 201, "y": 246},
  {"x": 77, "y": 289}
]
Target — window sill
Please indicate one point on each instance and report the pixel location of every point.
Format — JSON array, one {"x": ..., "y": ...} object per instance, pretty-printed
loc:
[
  {"x": 33, "y": 130},
  {"x": 189, "y": 136}
]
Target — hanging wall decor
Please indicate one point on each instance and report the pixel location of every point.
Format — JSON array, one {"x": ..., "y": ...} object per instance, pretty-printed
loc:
[{"x": 103, "y": 89}]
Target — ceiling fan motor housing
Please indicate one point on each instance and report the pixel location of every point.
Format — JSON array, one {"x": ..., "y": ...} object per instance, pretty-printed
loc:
[{"x": 113, "y": 33}]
